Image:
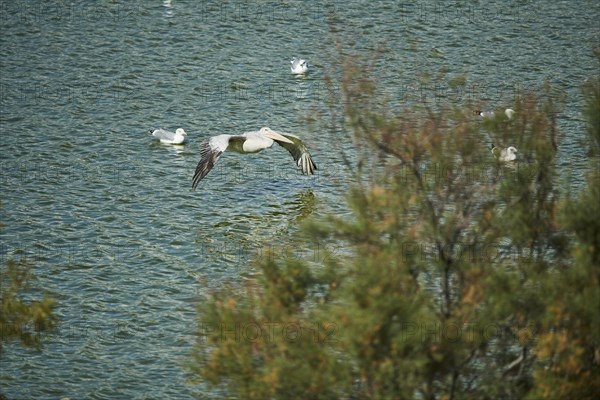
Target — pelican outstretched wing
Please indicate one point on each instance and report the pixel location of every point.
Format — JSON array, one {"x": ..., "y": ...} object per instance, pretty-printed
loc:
[
  {"x": 208, "y": 157},
  {"x": 210, "y": 151},
  {"x": 300, "y": 153}
]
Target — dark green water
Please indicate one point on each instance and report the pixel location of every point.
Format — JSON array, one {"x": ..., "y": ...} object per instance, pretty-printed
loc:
[{"x": 108, "y": 217}]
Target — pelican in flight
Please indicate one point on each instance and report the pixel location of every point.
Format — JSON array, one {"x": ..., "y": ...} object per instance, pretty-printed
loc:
[
  {"x": 251, "y": 142},
  {"x": 509, "y": 112},
  {"x": 507, "y": 154},
  {"x": 299, "y": 66},
  {"x": 168, "y": 137}
]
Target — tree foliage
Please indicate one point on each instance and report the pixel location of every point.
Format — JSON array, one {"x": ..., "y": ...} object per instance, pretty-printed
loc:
[
  {"x": 21, "y": 319},
  {"x": 463, "y": 276},
  {"x": 568, "y": 349}
]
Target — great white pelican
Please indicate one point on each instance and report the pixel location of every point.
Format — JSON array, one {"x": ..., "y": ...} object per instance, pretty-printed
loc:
[{"x": 251, "y": 142}]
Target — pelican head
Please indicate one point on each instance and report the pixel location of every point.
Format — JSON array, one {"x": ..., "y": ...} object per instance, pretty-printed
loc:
[{"x": 271, "y": 134}]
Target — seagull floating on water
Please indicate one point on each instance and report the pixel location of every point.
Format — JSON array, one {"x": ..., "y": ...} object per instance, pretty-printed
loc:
[
  {"x": 507, "y": 154},
  {"x": 509, "y": 112},
  {"x": 251, "y": 142},
  {"x": 168, "y": 137},
  {"x": 299, "y": 66}
]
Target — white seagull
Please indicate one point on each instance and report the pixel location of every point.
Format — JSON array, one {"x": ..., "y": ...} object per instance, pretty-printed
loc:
[
  {"x": 299, "y": 66},
  {"x": 168, "y": 137},
  {"x": 251, "y": 142},
  {"x": 509, "y": 112},
  {"x": 507, "y": 154}
]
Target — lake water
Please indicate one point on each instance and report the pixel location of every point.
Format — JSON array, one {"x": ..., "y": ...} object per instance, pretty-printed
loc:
[{"x": 108, "y": 217}]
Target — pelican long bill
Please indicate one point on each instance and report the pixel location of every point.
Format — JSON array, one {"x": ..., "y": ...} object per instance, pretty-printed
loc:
[{"x": 271, "y": 134}]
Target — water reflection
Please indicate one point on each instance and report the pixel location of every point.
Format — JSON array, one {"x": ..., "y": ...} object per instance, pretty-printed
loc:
[
  {"x": 177, "y": 148},
  {"x": 169, "y": 12},
  {"x": 172, "y": 148},
  {"x": 238, "y": 240},
  {"x": 303, "y": 205}
]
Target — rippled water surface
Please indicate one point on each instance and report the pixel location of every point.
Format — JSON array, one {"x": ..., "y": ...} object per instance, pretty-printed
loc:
[{"x": 108, "y": 217}]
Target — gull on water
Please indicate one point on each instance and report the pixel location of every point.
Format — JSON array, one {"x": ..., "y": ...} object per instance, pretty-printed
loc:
[
  {"x": 299, "y": 66},
  {"x": 509, "y": 112},
  {"x": 504, "y": 154},
  {"x": 168, "y": 137},
  {"x": 251, "y": 142}
]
